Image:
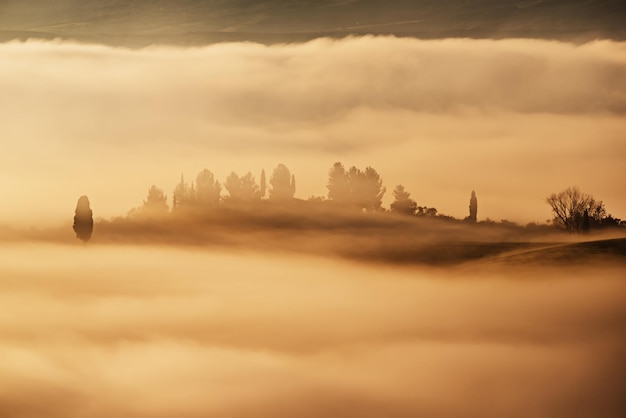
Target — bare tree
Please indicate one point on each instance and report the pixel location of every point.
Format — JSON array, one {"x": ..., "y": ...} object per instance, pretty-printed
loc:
[{"x": 569, "y": 207}]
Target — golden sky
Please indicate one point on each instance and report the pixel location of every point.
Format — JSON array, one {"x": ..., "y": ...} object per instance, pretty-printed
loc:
[{"x": 514, "y": 120}]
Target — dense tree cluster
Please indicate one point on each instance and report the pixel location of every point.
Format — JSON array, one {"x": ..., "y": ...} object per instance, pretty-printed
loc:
[
  {"x": 351, "y": 188},
  {"x": 241, "y": 188},
  {"x": 362, "y": 190},
  {"x": 207, "y": 192}
]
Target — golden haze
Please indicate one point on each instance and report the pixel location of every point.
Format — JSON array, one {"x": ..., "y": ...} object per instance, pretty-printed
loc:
[{"x": 513, "y": 119}]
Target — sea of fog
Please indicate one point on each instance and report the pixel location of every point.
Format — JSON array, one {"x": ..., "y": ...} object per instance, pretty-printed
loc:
[
  {"x": 147, "y": 331},
  {"x": 514, "y": 119}
]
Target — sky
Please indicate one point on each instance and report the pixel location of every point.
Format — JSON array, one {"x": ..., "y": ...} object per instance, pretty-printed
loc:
[{"x": 515, "y": 120}]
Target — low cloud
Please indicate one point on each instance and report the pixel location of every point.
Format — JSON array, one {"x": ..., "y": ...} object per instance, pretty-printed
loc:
[
  {"x": 130, "y": 331},
  {"x": 514, "y": 119}
]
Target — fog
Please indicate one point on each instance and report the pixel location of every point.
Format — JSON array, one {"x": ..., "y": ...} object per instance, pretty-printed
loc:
[
  {"x": 309, "y": 310},
  {"x": 133, "y": 331},
  {"x": 513, "y": 119}
]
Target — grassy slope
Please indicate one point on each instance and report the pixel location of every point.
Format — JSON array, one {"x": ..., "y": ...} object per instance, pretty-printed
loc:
[{"x": 603, "y": 250}]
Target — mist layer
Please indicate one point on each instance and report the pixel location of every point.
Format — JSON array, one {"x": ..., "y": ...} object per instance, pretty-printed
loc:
[
  {"x": 139, "y": 332},
  {"x": 514, "y": 120}
]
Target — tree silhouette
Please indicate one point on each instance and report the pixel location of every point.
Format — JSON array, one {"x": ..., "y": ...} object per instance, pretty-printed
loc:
[
  {"x": 374, "y": 190},
  {"x": 263, "y": 185},
  {"x": 232, "y": 184},
  {"x": 473, "y": 208},
  {"x": 208, "y": 189},
  {"x": 403, "y": 203},
  {"x": 249, "y": 188},
  {"x": 426, "y": 211},
  {"x": 586, "y": 224},
  {"x": 183, "y": 196},
  {"x": 361, "y": 189},
  {"x": 366, "y": 188},
  {"x": 283, "y": 183},
  {"x": 242, "y": 188},
  {"x": 569, "y": 207},
  {"x": 155, "y": 203},
  {"x": 356, "y": 191},
  {"x": 83, "y": 219},
  {"x": 338, "y": 187}
]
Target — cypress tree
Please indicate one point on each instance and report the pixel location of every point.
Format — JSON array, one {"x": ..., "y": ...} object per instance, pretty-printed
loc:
[
  {"x": 263, "y": 185},
  {"x": 83, "y": 219},
  {"x": 473, "y": 207}
]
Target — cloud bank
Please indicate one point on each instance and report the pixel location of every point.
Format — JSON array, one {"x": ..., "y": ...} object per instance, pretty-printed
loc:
[
  {"x": 126, "y": 331},
  {"x": 513, "y": 119}
]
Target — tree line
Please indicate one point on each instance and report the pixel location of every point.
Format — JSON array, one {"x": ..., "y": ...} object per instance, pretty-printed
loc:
[
  {"x": 351, "y": 188},
  {"x": 206, "y": 191},
  {"x": 573, "y": 210},
  {"x": 362, "y": 190}
]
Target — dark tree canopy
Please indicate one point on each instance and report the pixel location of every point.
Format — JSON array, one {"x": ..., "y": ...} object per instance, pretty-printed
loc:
[
  {"x": 83, "y": 219},
  {"x": 283, "y": 183},
  {"x": 403, "y": 203},
  {"x": 586, "y": 223},
  {"x": 426, "y": 211}
]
